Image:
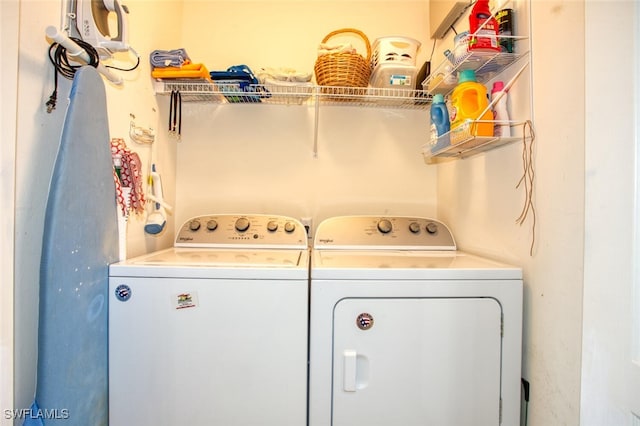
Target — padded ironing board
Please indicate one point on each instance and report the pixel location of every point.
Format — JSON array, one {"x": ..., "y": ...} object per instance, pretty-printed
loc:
[{"x": 80, "y": 241}]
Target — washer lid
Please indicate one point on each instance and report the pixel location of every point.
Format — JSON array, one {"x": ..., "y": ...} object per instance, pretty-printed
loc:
[
  {"x": 407, "y": 265},
  {"x": 217, "y": 263}
]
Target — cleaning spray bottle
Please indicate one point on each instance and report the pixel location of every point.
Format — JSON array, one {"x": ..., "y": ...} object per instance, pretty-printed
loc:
[
  {"x": 156, "y": 220},
  {"x": 483, "y": 28},
  {"x": 500, "y": 110}
]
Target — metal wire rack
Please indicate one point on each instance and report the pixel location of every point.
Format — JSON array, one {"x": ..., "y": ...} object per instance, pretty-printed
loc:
[
  {"x": 486, "y": 65},
  {"x": 231, "y": 92}
]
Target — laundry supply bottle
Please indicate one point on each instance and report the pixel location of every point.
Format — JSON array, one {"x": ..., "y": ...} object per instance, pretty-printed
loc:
[
  {"x": 440, "y": 124},
  {"x": 500, "y": 110},
  {"x": 483, "y": 28},
  {"x": 468, "y": 101}
]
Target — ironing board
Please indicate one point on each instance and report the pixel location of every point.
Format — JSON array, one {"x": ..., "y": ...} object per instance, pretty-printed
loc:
[{"x": 80, "y": 241}]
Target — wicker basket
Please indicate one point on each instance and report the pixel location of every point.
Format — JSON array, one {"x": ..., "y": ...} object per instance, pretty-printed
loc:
[{"x": 344, "y": 69}]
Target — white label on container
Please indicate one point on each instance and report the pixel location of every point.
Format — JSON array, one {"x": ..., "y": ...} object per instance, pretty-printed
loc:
[{"x": 400, "y": 80}]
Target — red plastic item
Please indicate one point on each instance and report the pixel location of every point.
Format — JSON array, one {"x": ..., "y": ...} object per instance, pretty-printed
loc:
[{"x": 483, "y": 36}]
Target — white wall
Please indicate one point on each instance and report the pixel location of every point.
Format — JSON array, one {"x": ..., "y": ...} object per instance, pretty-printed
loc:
[
  {"x": 258, "y": 158},
  {"x": 479, "y": 199},
  {"x": 38, "y": 136},
  {"x": 8, "y": 82},
  {"x": 611, "y": 228}
]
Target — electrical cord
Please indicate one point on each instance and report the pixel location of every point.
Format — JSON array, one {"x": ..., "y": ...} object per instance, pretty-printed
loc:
[
  {"x": 60, "y": 60},
  {"x": 127, "y": 69}
]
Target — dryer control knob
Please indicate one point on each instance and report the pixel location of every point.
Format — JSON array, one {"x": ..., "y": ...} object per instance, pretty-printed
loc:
[
  {"x": 194, "y": 225},
  {"x": 212, "y": 225},
  {"x": 385, "y": 226},
  {"x": 272, "y": 226},
  {"x": 242, "y": 224},
  {"x": 414, "y": 227},
  {"x": 432, "y": 228},
  {"x": 289, "y": 227}
]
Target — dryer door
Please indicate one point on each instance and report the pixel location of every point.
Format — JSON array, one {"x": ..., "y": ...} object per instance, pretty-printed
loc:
[{"x": 417, "y": 361}]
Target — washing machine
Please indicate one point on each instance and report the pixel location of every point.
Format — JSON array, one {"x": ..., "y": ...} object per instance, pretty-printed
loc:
[
  {"x": 212, "y": 331},
  {"x": 407, "y": 330}
]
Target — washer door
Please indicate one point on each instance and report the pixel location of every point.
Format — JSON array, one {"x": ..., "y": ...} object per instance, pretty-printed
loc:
[{"x": 417, "y": 361}]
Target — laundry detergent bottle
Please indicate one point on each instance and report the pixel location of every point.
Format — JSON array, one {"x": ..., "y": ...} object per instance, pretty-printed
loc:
[
  {"x": 468, "y": 101},
  {"x": 483, "y": 28},
  {"x": 439, "y": 119}
]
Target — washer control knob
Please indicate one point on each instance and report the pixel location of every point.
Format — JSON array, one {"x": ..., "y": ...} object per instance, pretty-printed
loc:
[
  {"x": 289, "y": 227},
  {"x": 272, "y": 226},
  {"x": 414, "y": 227},
  {"x": 432, "y": 228},
  {"x": 212, "y": 225},
  {"x": 194, "y": 225},
  {"x": 242, "y": 224},
  {"x": 385, "y": 226}
]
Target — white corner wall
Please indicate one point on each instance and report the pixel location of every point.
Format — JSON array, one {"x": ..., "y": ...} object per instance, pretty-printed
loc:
[
  {"x": 9, "y": 11},
  {"x": 610, "y": 386},
  {"x": 479, "y": 199}
]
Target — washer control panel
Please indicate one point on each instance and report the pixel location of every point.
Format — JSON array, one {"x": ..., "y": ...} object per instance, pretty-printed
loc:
[
  {"x": 383, "y": 232},
  {"x": 231, "y": 230}
]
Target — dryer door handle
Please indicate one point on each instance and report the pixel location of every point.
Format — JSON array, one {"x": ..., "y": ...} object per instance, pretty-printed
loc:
[
  {"x": 355, "y": 370},
  {"x": 350, "y": 358}
]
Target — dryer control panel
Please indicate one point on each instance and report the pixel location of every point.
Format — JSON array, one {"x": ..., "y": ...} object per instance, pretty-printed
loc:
[
  {"x": 383, "y": 232},
  {"x": 232, "y": 230}
]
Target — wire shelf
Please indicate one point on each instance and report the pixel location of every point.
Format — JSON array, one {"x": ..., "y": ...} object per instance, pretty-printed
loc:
[
  {"x": 298, "y": 94},
  {"x": 486, "y": 65},
  {"x": 470, "y": 144}
]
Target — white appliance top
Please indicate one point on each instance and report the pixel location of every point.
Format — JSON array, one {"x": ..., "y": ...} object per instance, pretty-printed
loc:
[
  {"x": 242, "y": 232},
  {"x": 384, "y": 248},
  {"x": 228, "y": 246},
  {"x": 383, "y": 233}
]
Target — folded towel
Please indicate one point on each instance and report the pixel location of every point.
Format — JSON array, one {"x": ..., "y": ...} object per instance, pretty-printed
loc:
[
  {"x": 283, "y": 74},
  {"x": 326, "y": 49},
  {"x": 185, "y": 71},
  {"x": 166, "y": 58}
]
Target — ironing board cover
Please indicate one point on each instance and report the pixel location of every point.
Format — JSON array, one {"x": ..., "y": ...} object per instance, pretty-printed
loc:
[{"x": 80, "y": 241}]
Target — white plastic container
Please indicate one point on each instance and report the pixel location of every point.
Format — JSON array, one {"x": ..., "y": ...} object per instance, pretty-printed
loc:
[
  {"x": 500, "y": 111},
  {"x": 393, "y": 62},
  {"x": 394, "y": 76}
]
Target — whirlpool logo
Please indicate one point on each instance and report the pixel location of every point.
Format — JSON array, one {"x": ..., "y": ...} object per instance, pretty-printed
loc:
[{"x": 123, "y": 292}]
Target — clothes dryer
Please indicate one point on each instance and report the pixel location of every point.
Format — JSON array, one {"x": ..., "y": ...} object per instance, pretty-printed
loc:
[
  {"x": 407, "y": 330},
  {"x": 214, "y": 330}
]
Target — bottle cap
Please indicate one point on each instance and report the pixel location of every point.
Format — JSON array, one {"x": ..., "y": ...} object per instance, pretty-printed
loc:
[
  {"x": 467, "y": 75},
  {"x": 497, "y": 86},
  {"x": 438, "y": 99}
]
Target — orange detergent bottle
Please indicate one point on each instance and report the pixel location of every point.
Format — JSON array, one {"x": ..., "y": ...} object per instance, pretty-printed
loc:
[{"x": 469, "y": 100}]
